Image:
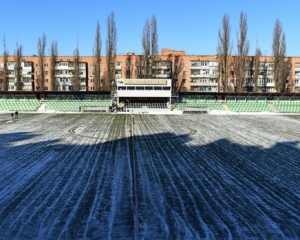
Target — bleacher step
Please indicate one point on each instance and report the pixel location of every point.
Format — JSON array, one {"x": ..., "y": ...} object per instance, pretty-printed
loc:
[
  {"x": 42, "y": 107},
  {"x": 273, "y": 107},
  {"x": 225, "y": 106}
]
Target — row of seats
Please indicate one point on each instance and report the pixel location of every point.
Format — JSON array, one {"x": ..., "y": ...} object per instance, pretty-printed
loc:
[
  {"x": 19, "y": 105},
  {"x": 145, "y": 104},
  {"x": 287, "y": 106},
  {"x": 249, "y": 106},
  {"x": 74, "y": 105},
  {"x": 210, "y": 103}
]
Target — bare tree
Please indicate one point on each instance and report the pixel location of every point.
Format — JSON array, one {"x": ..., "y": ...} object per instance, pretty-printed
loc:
[
  {"x": 5, "y": 60},
  {"x": 146, "y": 44},
  {"x": 256, "y": 68},
  {"x": 111, "y": 49},
  {"x": 243, "y": 51},
  {"x": 18, "y": 67},
  {"x": 53, "y": 58},
  {"x": 97, "y": 56},
  {"x": 76, "y": 72},
  {"x": 154, "y": 44},
  {"x": 41, "y": 54},
  {"x": 154, "y": 37},
  {"x": 150, "y": 47},
  {"x": 279, "y": 52},
  {"x": 224, "y": 51}
]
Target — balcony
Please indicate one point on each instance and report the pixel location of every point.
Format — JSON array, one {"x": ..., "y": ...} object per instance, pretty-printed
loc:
[
  {"x": 297, "y": 84},
  {"x": 214, "y": 75},
  {"x": 26, "y": 75},
  {"x": 209, "y": 84},
  {"x": 162, "y": 67},
  {"x": 266, "y": 84},
  {"x": 64, "y": 67},
  {"x": 163, "y": 75},
  {"x": 195, "y": 65},
  {"x": 118, "y": 67}
]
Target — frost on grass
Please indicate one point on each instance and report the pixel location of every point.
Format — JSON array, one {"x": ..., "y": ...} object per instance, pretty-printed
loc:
[{"x": 215, "y": 177}]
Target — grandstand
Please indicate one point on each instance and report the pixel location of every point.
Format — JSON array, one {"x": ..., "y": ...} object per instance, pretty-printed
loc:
[
  {"x": 149, "y": 96},
  {"x": 248, "y": 105},
  {"x": 102, "y": 105},
  {"x": 200, "y": 105},
  {"x": 18, "y": 104},
  {"x": 287, "y": 106}
]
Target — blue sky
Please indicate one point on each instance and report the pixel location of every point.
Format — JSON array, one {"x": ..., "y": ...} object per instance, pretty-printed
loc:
[{"x": 190, "y": 25}]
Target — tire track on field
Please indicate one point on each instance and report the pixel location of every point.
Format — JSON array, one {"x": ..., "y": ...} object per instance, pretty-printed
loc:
[
  {"x": 237, "y": 169},
  {"x": 164, "y": 157},
  {"x": 57, "y": 183},
  {"x": 79, "y": 175}
]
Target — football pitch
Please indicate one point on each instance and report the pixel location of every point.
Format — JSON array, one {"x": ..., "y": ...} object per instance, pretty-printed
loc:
[{"x": 108, "y": 176}]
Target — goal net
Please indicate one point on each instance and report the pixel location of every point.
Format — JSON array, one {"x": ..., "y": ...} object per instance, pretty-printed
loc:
[{"x": 94, "y": 109}]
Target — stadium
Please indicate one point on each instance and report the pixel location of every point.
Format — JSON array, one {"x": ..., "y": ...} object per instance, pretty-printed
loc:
[{"x": 141, "y": 164}]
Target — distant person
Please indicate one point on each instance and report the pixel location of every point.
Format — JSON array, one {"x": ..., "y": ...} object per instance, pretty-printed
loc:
[
  {"x": 12, "y": 116},
  {"x": 16, "y": 114}
]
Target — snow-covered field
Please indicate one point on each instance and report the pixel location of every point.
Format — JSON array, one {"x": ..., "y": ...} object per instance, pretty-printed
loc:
[{"x": 73, "y": 176}]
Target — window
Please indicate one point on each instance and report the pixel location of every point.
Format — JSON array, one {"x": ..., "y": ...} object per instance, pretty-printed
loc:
[
  {"x": 176, "y": 64},
  {"x": 128, "y": 64},
  {"x": 137, "y": 64},
  {"x": 92, "y": 73},
  {"x": 184, "y": 64},
  {"x": 92, "y": 88},
  {"x": 45, "y": 64},
  {"x": 1, "y": 65},
  {"x": 204, "y": 63},
  {"x": 101, "y": 73},
  {"x": 184, "y": 73},
  {"x": 137, "y": 72},
  {"x": 46, "y": 88},
  {"x": 232, "y": 64},
  {"x": 92, "y": 80},
  {"x": 297, "y": 65},
  {"x": 214, "y": 71},
  {"x": 46, "y": 80},
  {"x": 46, "y": 72},
  {"x": 82, "y": 80},
  {"x": 101, "y": 65},
  {"x": 37, "y": 65},
  {"x": 37, "y": 72},
  {"x": 183, "y": 80},
  {"x": 63, "y": 64},
  {"x": 92, "y": 65},
  {"x": 118, "y": 63}
]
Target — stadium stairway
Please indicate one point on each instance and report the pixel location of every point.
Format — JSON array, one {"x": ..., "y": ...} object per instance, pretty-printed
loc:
[
  {"x": 42, "y": 107},
  {"x": 225, "y": 106},
  {"x": 273, "y": 107}
]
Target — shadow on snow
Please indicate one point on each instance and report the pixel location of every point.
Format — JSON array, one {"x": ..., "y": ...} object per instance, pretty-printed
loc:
[{"x": 50, "y": 190}]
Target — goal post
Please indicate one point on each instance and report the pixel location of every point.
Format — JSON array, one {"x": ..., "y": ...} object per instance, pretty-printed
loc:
[
  {"x": 94, "y": 109},
  {"x": 199, "y": 109}
]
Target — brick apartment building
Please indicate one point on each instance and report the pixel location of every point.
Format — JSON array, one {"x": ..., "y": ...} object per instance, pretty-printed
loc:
[{"x": 198, "y": 73}]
